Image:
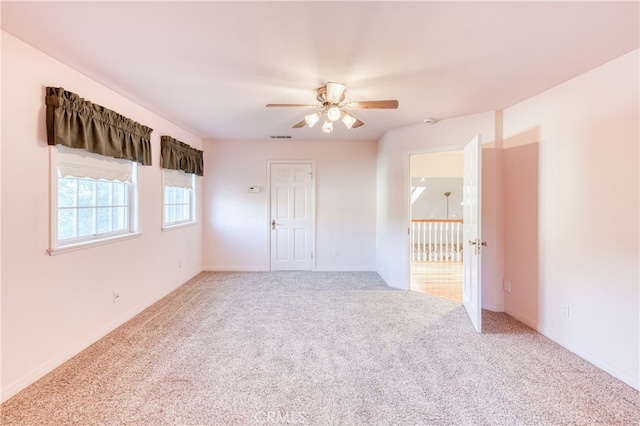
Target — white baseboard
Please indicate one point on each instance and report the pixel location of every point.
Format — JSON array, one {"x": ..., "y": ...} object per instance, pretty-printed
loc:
[
  {"x": 219, "y": 268},
  {"x": 36, "y": 374},
  {"x": 345, "y": 269},
  {"x": 494, "y": 308},
  {"x": 397, "y": 286},
  {"x": 222, "y": 268},
  {"x": 522, "y": 318},
  {"x": 625, "y": 376},
  {"x": 593, "y": 358}
]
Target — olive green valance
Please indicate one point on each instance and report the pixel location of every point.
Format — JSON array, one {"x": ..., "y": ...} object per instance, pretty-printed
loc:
[
  {"x": 178, "y": 155},
  {"x": 77, "y": 123}
]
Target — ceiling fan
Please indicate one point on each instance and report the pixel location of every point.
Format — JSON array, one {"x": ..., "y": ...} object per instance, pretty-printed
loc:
[{"x": 332, "y": 106}]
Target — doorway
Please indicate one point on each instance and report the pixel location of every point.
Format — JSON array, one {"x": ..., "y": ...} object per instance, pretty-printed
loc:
[{"x": 436, "y": 224}]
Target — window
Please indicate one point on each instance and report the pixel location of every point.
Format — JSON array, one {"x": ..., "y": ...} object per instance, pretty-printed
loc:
[
  {"x": 178, "y": 198},
  {"x": 94, "y": 197},
  {"x": 91, "y": 207}
]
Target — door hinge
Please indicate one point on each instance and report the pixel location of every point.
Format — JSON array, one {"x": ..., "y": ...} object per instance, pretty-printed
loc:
[{"x": 312, "y": 255}]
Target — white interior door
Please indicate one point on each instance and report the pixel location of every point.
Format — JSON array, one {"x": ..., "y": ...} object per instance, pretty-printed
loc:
[
  {"x": 291, "y": 216},
  {"x": 472, "y": 199}
]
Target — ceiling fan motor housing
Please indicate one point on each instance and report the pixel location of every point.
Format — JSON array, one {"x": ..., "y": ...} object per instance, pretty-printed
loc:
[{"x": 331, "y": 93}]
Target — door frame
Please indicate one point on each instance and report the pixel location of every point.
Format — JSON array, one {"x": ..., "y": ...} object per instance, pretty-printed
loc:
[
  {"x": 406, "y": 205},
  {"x": 313, "y": 208}
]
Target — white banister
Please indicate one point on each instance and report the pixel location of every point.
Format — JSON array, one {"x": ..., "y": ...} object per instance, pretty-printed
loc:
[{"x": 436, "y": 240}]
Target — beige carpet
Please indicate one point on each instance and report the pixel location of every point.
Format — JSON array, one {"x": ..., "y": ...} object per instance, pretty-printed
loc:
[{"x": 322, "y": 349}]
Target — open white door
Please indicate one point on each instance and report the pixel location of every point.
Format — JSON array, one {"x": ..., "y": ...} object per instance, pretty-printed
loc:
[
  {"x": 472, "y": 199},
  {"x": 291, "y": 216}
]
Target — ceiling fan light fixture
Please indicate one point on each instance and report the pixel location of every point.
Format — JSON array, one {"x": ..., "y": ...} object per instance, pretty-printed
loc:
[
  {"x": 330, "y": 99},
  {"x": 334, "y": 113},
  {"x": 335, "y": 93},
  {"x": 312, "y": 119},
  {"x": 348, "y": 120}
]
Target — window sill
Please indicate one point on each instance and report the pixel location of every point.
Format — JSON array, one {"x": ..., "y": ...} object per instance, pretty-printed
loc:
[
  {"x": 88, "y": 244},
  {"x": 178, "y": 226}
]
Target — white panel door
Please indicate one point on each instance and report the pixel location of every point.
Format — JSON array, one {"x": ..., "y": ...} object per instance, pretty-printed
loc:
[
  {"x": 472, "y": 197},
  {"x": 291, "y": 217}
]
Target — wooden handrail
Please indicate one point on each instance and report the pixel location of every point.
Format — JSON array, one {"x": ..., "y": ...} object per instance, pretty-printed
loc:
[{"x": 438, "y": 220}]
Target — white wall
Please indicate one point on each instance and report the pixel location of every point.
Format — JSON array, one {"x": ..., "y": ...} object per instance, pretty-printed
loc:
[
  {"x": 446, "y": 164},
  {"x": 392, "y": 205},
  {"x": 55, "y": 306},
  {"x": 236, "y": 231},
  {"x": 1, "y": 185},
  {"x": 571, "y": 214}
]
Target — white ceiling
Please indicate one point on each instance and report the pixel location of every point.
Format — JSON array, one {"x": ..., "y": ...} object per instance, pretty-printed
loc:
[{"x": 212, "y": 66}]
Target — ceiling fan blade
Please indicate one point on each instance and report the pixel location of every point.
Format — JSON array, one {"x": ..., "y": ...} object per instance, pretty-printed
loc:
[
  {"x": 386, "y": 104},
  {"x": 291, "y": 105},
  {"x": 335, "y": 92},
  {"x": 357, "y": 124},
  {"x": 300, "y": 124}
]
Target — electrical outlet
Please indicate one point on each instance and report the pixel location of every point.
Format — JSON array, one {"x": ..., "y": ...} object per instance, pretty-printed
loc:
[
  {"x": 116, "y": 295},
  {"x": 506, "y": 285},
  {"x": 336, "y": 253},
  {"x": 564, "y": 311}
]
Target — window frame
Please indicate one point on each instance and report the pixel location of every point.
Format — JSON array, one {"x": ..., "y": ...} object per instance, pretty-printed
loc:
[
  {"x": 78, "y": 243},
  {"x": 192, "y": 203}
]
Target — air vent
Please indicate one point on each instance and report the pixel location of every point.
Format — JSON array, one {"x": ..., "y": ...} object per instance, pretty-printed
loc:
[{"x": 281, "y": 137}]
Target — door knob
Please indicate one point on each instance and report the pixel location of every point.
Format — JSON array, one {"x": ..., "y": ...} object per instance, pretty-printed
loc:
[
  {"x": 477, "y": 245},
  {"x": 273, "y": 224}
]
